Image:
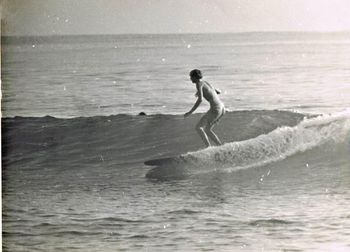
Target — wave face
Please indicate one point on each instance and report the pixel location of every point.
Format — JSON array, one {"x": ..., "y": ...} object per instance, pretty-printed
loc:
[
  {"x": 36, "y": 142},
  {"x": 277, "y": 145},
  {"x": 253, "y": 138}
]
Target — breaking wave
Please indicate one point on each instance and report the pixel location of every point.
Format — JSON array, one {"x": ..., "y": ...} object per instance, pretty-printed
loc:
[{"x": 277, "y": 145}]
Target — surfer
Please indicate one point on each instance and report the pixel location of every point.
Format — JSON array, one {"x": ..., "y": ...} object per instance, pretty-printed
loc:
[{"x": 205, "y": 125}]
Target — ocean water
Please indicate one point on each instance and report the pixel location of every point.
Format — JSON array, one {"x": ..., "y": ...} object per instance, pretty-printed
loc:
[
  {"x": 108, "y": 75},
  {"x": 74, "y": 147}
]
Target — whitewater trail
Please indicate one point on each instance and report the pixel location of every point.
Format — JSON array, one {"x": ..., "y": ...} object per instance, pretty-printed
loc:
[{"x": 277, "y": 145}]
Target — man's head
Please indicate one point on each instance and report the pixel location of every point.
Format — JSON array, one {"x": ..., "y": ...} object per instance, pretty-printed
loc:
[{"x": 196, "y": 75}]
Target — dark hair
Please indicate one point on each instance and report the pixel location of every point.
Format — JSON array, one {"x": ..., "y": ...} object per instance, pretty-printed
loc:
[{"x": 196, "y": 74}]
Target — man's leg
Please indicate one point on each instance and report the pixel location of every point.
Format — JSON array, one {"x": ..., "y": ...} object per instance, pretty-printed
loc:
[
  {"x": 211, "y": 134},
  {"x": 209, "y": 128},
  {"x": 203, "y": 135},
  {"x": 200, "y": 130}
]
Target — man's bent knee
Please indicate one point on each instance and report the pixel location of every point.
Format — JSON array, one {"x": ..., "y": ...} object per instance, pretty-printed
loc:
[{"x": 199, "y": 128}]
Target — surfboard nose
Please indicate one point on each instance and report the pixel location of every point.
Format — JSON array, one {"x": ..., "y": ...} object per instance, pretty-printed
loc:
[{"x": 165, "y": 173}]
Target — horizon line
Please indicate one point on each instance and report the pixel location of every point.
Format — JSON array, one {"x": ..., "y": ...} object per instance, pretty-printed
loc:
[{"x": 172, "y": 33}]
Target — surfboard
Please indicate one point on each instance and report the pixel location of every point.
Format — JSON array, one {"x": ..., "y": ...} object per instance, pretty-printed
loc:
[
  {"x": 167, "y": 168},
  {"x": 164, "y": 161}
]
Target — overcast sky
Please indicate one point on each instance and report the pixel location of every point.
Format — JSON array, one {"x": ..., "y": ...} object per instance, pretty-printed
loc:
[{"x": 53, "y": 17}]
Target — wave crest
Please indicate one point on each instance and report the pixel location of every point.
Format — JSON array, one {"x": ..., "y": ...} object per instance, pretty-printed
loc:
[
  {"x": 267, "y": 148},
  {"x": 278, "y": 144}
]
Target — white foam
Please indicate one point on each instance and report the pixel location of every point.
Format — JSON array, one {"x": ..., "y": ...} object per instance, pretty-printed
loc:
[{"x": 276, "y": 145}]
